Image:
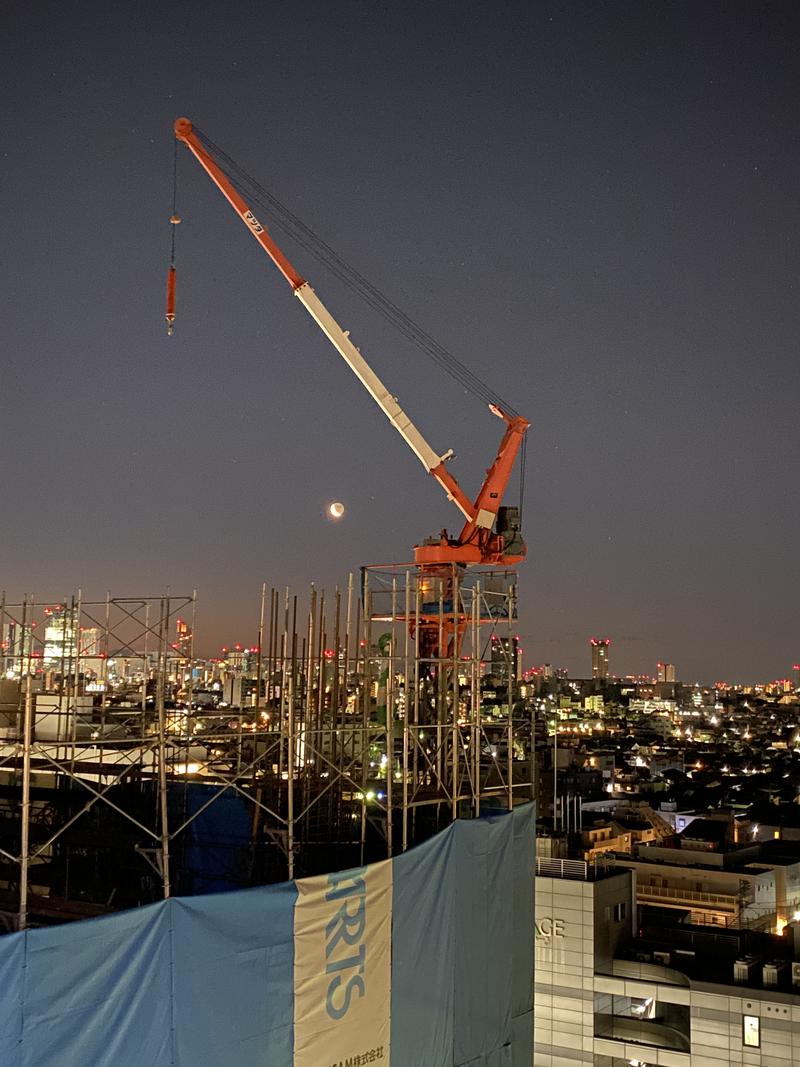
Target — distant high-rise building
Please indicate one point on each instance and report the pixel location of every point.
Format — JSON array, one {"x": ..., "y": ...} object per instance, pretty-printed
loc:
[
  {"x": 59, "y": 635},
  {"x": 240, "y": 659},
  {"x": 666, "y": 672},
  {"x": 89, "y": 641},
  {"x": 16, "y": 647},
  {"x": 183, "y": 638},
  {"x": 599, "y": 647}
]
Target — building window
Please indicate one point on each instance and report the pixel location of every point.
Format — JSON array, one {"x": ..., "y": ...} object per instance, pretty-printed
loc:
[{"x": 751, "y": 1031}]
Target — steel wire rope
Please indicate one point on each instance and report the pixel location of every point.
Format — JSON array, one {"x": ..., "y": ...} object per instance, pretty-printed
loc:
[
  {"x": 523, "y": 456},
  {"x": 399, "y": 321},
  {"x": 290, "y": 223},
  {"x": 174, "y": 201},
  {"x": 306, "y": 237}
]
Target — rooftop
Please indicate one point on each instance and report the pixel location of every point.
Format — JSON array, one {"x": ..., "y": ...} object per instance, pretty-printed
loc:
[
  {"x": 704, "y": 954},
  {"x": 575, "y": 870}
]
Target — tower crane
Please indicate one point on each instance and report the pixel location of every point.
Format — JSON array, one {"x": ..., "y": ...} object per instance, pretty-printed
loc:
[{"x": 491, "y": 532}]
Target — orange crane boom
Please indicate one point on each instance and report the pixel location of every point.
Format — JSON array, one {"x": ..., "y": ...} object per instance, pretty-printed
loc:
[{"x": 490, "y": 534}]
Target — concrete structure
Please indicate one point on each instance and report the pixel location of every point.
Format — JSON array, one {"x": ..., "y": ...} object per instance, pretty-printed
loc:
[
  {"x": 753, "y": 886},
  {"x": 622, "y": 834},
  {"x": 582, "y": 913},
  {"x": 606, "y": 837},
  {"x": 594, "y": 1006}
]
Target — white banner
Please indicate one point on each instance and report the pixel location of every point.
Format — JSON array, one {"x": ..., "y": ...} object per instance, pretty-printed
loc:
[{"x": 342, "y": 968}]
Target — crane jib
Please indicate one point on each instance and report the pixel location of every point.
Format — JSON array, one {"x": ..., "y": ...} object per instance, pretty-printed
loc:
[{"x": 478, "y": 541}]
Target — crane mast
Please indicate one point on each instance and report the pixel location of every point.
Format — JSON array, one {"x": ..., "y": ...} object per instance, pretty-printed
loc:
[{"x": 491, "y": 533}]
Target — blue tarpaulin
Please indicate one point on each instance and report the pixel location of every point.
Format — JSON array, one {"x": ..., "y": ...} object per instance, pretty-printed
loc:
[
  {"x": 217, "y": 839},
  {"x": 210, "y": 981}
]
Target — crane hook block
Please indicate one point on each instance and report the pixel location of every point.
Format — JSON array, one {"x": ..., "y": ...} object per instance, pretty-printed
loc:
[{"x": 170, "y": 299}]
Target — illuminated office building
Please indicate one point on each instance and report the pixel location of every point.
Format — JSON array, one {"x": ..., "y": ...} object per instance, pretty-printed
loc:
[
  {"x": 600, "y": 647},
  {"x": 665, "y": 672}
]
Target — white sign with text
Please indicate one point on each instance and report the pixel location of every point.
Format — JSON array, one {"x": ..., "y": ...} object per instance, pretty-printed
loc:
[{"x": 342, "y": 968}]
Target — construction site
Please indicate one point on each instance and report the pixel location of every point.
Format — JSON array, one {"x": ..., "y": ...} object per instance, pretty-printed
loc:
[
  {"x": 363, "y": 722},
  {"x": 359, "y": 722}
]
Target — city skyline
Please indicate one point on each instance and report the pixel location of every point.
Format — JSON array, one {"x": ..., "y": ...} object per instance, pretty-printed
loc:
[
  {"x": 593, "y": 207},
  {"x": 53, "y": 637}
]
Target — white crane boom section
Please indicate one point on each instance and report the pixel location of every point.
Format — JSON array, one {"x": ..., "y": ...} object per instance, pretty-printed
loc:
[
  {"x": 340, "y": 340},
  {"x": 430, "y": 460}
]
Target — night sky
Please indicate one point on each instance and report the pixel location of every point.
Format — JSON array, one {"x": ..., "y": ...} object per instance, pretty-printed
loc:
[{"x": 594, "y": 205}]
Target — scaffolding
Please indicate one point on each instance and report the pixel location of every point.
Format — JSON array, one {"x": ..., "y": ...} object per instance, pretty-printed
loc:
[{"x": 357, "y": 725}]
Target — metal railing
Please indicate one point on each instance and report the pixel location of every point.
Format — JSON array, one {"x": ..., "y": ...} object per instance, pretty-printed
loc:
[
  {"x": 575, "y": 870},
  {"x": 689, "y": 896},
  {"x": 642, "y": 1032}
]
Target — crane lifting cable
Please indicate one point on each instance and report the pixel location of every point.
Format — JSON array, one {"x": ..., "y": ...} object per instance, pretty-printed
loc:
[
  {"x": 286, "y": 220},
  {"x": 174, "y": 220}
]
